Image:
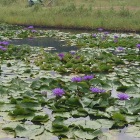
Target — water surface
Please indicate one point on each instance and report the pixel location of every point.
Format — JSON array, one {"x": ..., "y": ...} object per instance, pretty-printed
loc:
[{"x": 45, "y": 42}]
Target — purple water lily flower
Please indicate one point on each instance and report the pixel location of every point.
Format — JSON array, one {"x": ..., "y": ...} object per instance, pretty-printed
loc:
[
  {"x": 76, "y": 79},
  {"x": 97, "y": 90},
  {"x": 5, "y": 43},
  {"x": 115, "y": 36},
  {"x": 3, "y": 49},
  {"x": 61, "y": 56},
  {"x": 100, "y": 29},
  {"x": 30, "y": 27},
  {"x": 58, "y": 92},
  {"x": 77, "y": 57},
  {"x": 120, "y": 48},
  {"x": 88, "y": 77},
  {"x": 123, "y": 96},
  {"x": 33, "y": 31},
  {"x": 94, "y": 35},
  {"x": 72, "y": 52},
  {"x": 106, "y": 33},
  {"x": 138, "y": 46}
]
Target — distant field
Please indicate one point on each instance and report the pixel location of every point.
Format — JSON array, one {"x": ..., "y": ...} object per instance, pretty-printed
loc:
[{"x": 109, "y": 14}]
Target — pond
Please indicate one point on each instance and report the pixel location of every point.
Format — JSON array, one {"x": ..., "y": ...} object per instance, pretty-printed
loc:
[{"x": 87, "y": 88}]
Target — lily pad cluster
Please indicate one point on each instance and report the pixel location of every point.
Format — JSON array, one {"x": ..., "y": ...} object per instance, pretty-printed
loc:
[
  {"x": 88, "y": 60},
  {"x": 86, "y": 94}
]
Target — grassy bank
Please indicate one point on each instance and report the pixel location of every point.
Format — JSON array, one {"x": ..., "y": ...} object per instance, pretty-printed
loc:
[{"x": 108, "y": 14}]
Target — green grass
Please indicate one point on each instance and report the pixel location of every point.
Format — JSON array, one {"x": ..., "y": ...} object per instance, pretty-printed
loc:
[{"x": 108, "y": 14}]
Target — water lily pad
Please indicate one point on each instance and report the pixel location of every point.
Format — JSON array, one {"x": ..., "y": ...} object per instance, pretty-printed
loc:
[{"x": 87, "y": 135}]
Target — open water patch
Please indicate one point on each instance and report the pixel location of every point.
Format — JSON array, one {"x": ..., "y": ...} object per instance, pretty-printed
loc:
[{"x": 51, "y": 44}]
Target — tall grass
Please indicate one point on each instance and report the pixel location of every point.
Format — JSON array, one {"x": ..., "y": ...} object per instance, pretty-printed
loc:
[{"x": 109, "y": 14}]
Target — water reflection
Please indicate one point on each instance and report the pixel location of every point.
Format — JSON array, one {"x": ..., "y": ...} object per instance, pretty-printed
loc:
[{"x": 46, "y": 42}]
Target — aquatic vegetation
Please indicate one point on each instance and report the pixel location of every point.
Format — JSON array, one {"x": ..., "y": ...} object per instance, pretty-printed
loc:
[
  {"x": 120, "y": 49},
  {"x": 58, "y": 92},
  {"x": 72, "y": 95},
  {"x": 30, "y": 27},
  {"x": 4, "y": 43},
  {"x": 94, "y": 35},
  {"x": 100, "y": 29},
  {"x": 123, "y": 96},
  {"x": 138, "y": 46},
  {"x": 88, "y": 77},
  {"x": 97, "y": 90},
  {"x": 72, "y": 52},
  {"x": 2, "y": 48},
  {"x": 61, "y": 56},
  {"x": 76, "y": 79}
]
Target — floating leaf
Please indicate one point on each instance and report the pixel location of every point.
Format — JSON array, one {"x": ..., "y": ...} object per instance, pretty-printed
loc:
[{"x": 87, "y": 135}]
